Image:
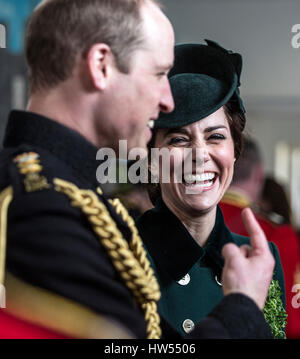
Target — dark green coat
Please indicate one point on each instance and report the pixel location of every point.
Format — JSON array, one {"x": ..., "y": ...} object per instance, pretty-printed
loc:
[{"x": 174, "y": 254}]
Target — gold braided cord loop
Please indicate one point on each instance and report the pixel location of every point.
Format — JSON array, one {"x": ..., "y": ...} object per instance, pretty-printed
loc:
[
  {"x": 130, "y": 261},
  {"x": 6, "y": 197},
  {"x": 136, "y": 245},
  {"x": 152, "y": 319}
]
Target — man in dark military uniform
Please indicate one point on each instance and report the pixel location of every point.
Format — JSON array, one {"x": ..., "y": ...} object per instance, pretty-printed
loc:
[{"x": 74, "y": 264}]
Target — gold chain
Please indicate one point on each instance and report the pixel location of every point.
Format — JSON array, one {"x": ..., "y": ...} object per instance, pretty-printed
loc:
[{"x": 130, "y": 260}]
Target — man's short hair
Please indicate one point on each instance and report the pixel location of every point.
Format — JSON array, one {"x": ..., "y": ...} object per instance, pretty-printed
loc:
[
  {"x": 247, "y": 162},
  {"x": 60, "y": 31}
]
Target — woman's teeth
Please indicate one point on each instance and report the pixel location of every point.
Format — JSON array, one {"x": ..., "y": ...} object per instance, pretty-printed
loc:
[
  {"x": 151, "y": 124},
  {"x": 204, "y": 179}
]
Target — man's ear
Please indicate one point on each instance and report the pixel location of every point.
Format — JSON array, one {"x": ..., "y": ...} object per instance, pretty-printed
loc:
[{"x": 100, "y": 61}]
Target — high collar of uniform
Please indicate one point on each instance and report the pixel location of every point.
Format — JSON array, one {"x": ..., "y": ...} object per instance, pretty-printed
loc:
[
  {"x": 236, "y": 197},
  {"x": 66, "y": 144},
  {"x": 173, "y": 248}
]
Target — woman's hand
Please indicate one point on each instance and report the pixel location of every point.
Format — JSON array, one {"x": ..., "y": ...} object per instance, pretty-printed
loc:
[{"x": 249, "y": 269}]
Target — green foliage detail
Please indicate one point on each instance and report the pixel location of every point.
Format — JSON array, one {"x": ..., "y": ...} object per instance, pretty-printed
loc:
[{"x": 274, "y": 311}]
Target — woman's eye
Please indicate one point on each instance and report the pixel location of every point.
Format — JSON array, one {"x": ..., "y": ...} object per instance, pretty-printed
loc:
[
  {"x": 217, "y": 136},
  {"x": 177, "y": 140}
]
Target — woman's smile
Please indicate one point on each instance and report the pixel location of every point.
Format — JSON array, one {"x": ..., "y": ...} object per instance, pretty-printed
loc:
[{"x": 202, "y": 181}]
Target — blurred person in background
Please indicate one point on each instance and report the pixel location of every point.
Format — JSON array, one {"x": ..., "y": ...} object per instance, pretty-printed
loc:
[
  {"x": 270, "y": 205},
  {"x": 274, "y": 203}
]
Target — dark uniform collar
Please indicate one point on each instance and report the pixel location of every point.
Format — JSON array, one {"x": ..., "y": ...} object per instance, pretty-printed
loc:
[
  {"x": 64, "y": 143},
  {"x": 173, "y": 248},
  {"x": 26, "y": 128}
]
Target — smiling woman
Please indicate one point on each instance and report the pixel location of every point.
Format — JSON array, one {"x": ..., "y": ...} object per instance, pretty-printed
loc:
[{"x": 185, "y": 233}]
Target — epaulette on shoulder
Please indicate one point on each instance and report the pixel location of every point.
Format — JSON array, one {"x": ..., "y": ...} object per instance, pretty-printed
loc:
[{"x": 30, "y": 167}]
